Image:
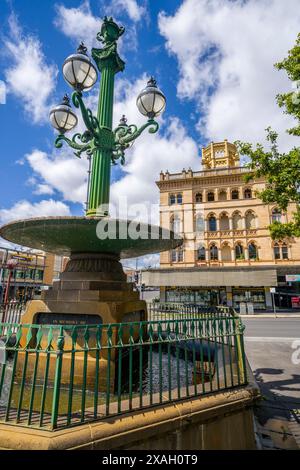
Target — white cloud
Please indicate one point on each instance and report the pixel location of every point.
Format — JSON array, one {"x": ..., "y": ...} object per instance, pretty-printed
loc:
[
  {"x": 131, "y": 7},
  {"x": 28, "y": 76},
  {"x": 25, "y": 209},
  {"x": 79, "y": 24},
  {"x": 225, "y": 52},
  {"x": 42, "y": 189},
  {"x": 62, "y": 172}
]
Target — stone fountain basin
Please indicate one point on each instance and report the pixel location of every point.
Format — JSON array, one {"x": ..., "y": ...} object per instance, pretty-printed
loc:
[{"x": 66, "y": 235}]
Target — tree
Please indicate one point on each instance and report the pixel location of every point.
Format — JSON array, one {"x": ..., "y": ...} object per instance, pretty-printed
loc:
[{"x": 280, "y": 170}]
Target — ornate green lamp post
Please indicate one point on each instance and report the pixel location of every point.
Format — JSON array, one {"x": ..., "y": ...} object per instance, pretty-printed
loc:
[{"x": 105, "y": 144}]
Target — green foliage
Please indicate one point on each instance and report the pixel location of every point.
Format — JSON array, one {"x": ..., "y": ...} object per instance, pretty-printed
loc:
[
  {"x": 281, "y": 171},
  {"x": 291, "y": 101}
]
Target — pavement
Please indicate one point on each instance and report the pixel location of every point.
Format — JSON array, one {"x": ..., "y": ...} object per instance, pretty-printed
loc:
[
  {"x": 279, "y": 313},
  {"x": 273, "y": 350}
]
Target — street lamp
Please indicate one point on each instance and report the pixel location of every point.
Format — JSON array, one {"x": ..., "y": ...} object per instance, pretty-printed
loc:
[
  {"x": 151, "y": 102},
  {"x": 100, "y": 141},
  {"x": 62, "y": 117},
  {"x": 79, "y": 71}
]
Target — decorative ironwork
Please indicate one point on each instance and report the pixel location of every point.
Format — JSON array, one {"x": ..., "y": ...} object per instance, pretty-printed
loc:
[
  {"x": 99, "y": 140},
  {"x": 178, "y": 354}
]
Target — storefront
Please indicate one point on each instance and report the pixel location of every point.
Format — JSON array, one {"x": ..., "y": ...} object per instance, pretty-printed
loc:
[
  {"x": 205, "y": 297},
  {"x": 247, "y": 290},
  {"x": 248, "y": 295},
  {"x": 237, "y": 297}
]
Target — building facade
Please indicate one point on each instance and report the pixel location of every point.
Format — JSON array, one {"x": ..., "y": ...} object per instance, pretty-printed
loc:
[
  {"x": 228, "y": 255},
  {"x": 32, "y": 272}
]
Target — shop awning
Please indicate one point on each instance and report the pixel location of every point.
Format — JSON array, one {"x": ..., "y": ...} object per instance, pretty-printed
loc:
[{"x": 210, "y": 277}]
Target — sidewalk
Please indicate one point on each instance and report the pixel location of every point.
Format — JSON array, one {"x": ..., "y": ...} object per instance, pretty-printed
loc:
[{"x": 280, "y": 313}]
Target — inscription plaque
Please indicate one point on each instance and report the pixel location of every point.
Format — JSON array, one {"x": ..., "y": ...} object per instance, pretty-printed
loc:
[{"x": 48, "y": 318}]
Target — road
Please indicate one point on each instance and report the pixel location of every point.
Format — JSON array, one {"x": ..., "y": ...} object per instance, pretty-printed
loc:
[
  {"x": 274, "y": 355},
  {"x": 272, "y": 327}
]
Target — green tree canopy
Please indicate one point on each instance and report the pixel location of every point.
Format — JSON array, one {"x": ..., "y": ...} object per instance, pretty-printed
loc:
[{"x": 280, "y": 170}]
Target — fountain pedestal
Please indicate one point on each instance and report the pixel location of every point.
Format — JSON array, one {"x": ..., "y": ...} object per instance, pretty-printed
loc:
[{"x": 92, "y": 289}]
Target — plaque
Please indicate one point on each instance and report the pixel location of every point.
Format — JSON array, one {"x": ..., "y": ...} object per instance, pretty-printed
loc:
[{"x": 64, "y": 319}]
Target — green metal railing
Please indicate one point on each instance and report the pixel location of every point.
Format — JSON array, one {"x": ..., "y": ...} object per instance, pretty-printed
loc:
[{"x": 60, "y": 376}]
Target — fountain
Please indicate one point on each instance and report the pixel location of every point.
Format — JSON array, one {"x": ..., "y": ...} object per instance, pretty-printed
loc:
[{"x": 93, "y": 288}]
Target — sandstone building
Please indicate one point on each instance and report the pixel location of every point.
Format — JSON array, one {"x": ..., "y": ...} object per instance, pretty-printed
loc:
[{"x": 228, "y": 255}]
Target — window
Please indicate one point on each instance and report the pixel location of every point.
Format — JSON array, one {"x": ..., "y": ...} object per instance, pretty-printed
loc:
[
  {"x": 210, "y": 196},
  {"x": 237, "y": 221},
  {"x": 30, "y": 274},
  {"x": 276, "y": 215},
  {"x": 276, "y": 251},
  {"x": 235, "y": 194},
  {"x": 213, "y": 253},
  {"x": 239, "y": 252},
  {"x": 281, "y": 251},
  {"x": 201, "y": 253},
  {"x": 179, "y": 198},
  {"x": 212, "y": 223},
  {"x": 20, "y": 274},
  {"x": 248, "y": 193},
  {"x": 176, "y": 224},
  {"x": 224, "y": 222},
  {"x": 284, "y": 251},
  {"x": 226, "y": 252},
  {"x": 252, "y": 251},
  {"x": 198, "y": 197},
  {"x": 172, "y": 199},
  {"x": 177, "y": 255},
  {"x": 250, "y": 220},
  {"x": 199, "y": 223},
  {"x": 222, "y": 196}
]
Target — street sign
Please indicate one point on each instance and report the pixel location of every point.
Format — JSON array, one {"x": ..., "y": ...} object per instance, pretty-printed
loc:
[{"x": 292, "y": 277}]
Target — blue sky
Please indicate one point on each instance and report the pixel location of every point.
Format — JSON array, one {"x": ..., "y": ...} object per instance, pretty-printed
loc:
[{"x": 213, "y": 60}]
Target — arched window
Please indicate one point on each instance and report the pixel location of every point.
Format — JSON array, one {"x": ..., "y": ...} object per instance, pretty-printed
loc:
[
  {"x": 210, "y": 196},
  {"x": 237, "y": 221},
  {"x": 180, "y": 254},
  {"x": 222, "y": 196},
  {"x": 276, "y": 215},
  {"x": 176, "y": 224},
  {"x": 248, "y": 193},
  {"x": 199, "y": 223},
  {"x": 276, "y": 249},
  {"x": 252, "y": 251},
  {"x": 235, "y": 194},
  {"x": 284, "y": 251},
  {"x": 226, "y": 252},
  {"x": 213, "y": 251},
  {"x": 179, "y": 198},
  {"x": 201, "y": 253},
  {"x": 250, "y": 220},
  {"x": 172, "y": 199},
  {"x": 224, "y": 222},
  {"x": 239, "y": 252},
  {"x": 198, "y": 197},
  {"x": 212, "y": 223}
]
